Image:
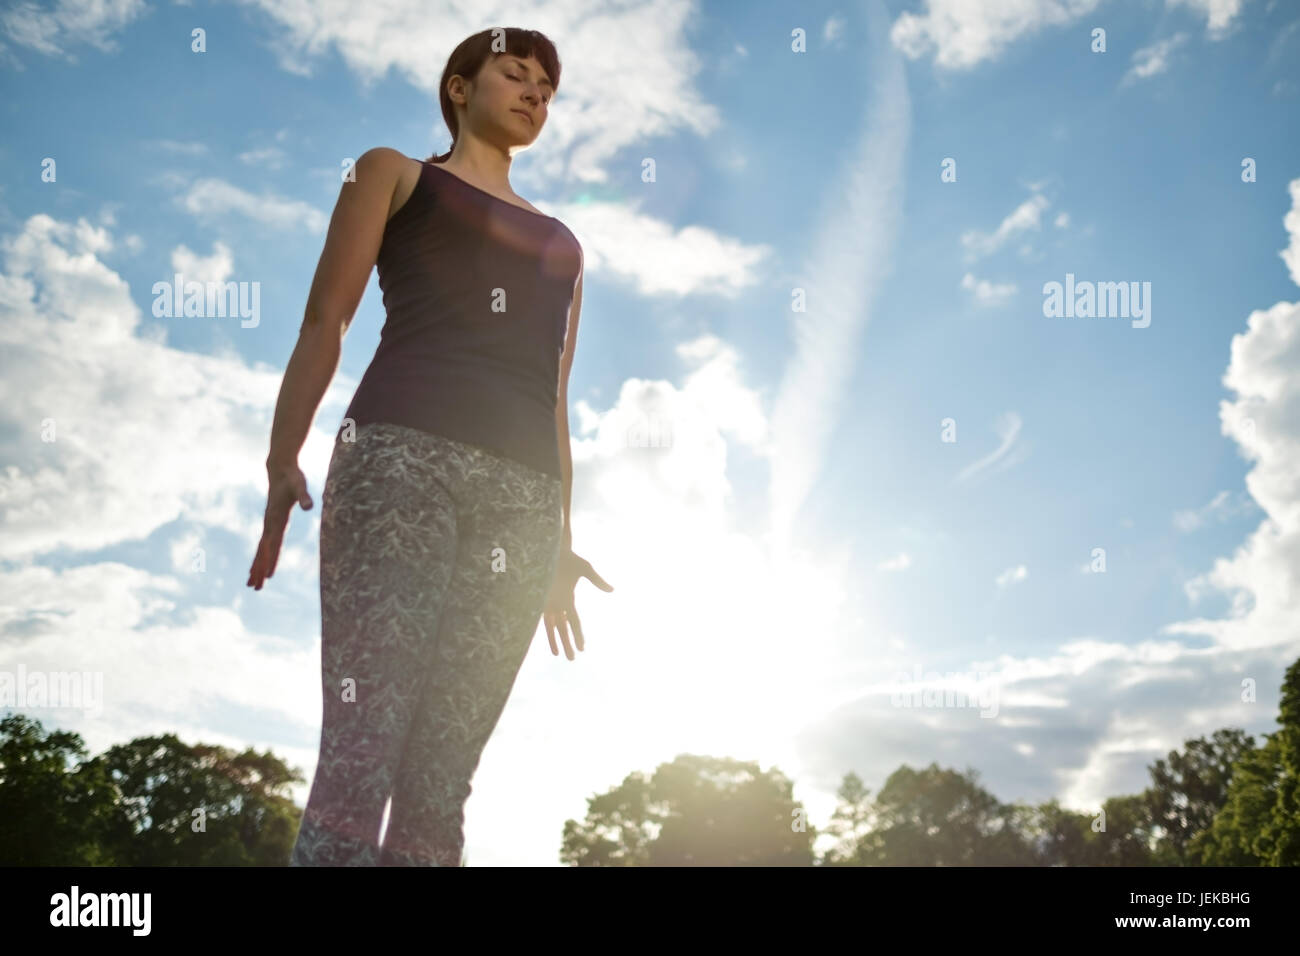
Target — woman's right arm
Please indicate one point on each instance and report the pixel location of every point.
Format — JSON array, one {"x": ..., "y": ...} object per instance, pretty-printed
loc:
[
  {"x": 352, "y": 244},
  {"x": 356, "y": 231}
]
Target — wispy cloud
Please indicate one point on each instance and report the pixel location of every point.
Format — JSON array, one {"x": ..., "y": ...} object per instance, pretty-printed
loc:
[
  {"x": 1005, "y": 455},
  {"x": 1220, "y": 508},
  {"x": 182, "y": 148},
  {"x": 67, "y": 23},
  {"x": 215, "y": 197},
  {"x": 1011, "y": 576},
  {"x": 1152, "y": 60},
  {"x": 1027, "y": 216},
  {"x": 899, "y": 562},
  {"x": 986, "y": 292},
  {"x": 1219, "y": 14},
  {"x": 964, "y": 33},
  {"x": 847, "y": 263}
]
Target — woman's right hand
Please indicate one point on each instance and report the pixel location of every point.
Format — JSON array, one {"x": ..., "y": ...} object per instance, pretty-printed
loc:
[{"x": 287, "y": 486}]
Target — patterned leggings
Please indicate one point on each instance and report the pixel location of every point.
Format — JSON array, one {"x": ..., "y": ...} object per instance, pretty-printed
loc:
[{"x": 436, "y": 557}]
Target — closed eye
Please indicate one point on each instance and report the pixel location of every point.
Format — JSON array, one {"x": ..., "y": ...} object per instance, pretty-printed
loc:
[{"x": 519, "y": 79}]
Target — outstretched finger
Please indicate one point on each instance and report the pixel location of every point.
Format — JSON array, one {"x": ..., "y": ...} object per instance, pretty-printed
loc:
[
  {"x": 256, "y": 573},
  {"x": 572, "y": 614},
  {"x": 550, "y": 634},
  {"x": 590, "y": 573},
  {"x": 564, "y": 636}
]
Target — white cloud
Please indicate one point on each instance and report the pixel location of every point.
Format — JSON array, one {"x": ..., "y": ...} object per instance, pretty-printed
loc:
[
  {"x": 1010, "y": 450},
  {"x": 1219, "y": 14},
  {"x": 963, "y": 33},
  {"x": 268, "y": 157},
  {"x": 656, "y": 258},
  {"x": 1012, "y": 576},
  {"x": 215, "y": 197},
  {"x": 899, "y": 562},
  {"x": 184, "y": 148},
  {"x": 1154, "y": 59},
  {"x": 986, "y": 292},
  {"x": 144, "y": 433},
  {"x": 601, "y": 108},
  {"x": 1262, "y": 577},
  {"x": 726, "y": 638},
  {"x": 68, "y": 23},
  {"x": 1104, "y": 709},
  {"x": 1220, "y": 508},
  {"x": 1291, "y": 222},
  {"x": 164, "y": 670},
  {"x": 214, "y": 268},
  {"x": 845, "y": 266},
  {"x": 1028, "y": 215}
]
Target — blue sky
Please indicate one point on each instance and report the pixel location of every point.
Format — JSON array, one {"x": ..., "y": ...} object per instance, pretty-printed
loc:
[{"x": 808, "y": 535}]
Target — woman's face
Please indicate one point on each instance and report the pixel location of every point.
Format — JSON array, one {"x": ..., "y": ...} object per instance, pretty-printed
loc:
[{"x": 512, "y": 96}]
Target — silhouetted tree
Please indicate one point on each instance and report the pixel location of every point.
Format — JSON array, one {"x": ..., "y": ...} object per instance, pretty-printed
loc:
[
  {"x": 1130, "y": 836},
  {"x": 694, "y": 811},
  {"x": 1191, "y": 786},
  {"x": 850, "y": 822},
  {"x": 152, "y": 802},
  {"x": 55, "y": 809},
  {"x": 1064, "y": 837},
  {"x": 201, "y": 805},
  {"x": 937, "y": 817}
]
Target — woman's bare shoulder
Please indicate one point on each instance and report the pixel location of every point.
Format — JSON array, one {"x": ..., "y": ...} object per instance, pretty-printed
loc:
[{"x": 398, "y": 171}]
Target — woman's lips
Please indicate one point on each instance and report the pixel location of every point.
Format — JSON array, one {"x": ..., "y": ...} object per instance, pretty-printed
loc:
[{"x": 522, "y": 113}]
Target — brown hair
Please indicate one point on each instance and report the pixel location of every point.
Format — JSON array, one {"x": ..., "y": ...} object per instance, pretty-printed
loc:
[{"x": 468, "y": 59}]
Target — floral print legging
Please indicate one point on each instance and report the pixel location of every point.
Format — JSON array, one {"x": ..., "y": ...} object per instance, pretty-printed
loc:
[{"x": 436, "y": 557}]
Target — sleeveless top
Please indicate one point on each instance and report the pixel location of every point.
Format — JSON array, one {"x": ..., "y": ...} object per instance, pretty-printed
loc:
[{"x": 477, "y": 292}]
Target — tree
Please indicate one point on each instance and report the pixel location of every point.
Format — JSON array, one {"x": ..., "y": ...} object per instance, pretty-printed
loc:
[
  {"x": 152, "y": 802},
  {"x": 202, "y": 805},
  {"x": 1189, "y": 788},
  {"x": 850, "y": 822},
  {"x": 1130, "y": 836},
  {"x": 1259, "y": 824},
  {"x": 694, "y": 811},
  {"x": 55, "y": 810},
  {"x": 937, "y": 817}
]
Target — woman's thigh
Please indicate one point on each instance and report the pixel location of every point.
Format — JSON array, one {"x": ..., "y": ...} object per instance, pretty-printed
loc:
[
  {"x": 508, "y": 540},
  {"x": 387, "y": 549}
]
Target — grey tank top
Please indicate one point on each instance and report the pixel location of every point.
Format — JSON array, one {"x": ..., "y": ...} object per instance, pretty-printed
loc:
[{"x": 477, "y": 293}]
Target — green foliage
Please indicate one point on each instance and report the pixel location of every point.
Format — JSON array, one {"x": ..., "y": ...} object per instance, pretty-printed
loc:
[
  {"x": 1189, "y": 788},
  {"x": 695, "y": 811},
  {"x": 152, "y": 802},
  {"x": 55, "y": 810},
  {"x": 1259, "y": 824},
  {"x": 156, "y": 801}
]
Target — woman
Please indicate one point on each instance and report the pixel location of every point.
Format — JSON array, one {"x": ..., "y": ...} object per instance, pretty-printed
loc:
[{"x": 445, "y": 521}]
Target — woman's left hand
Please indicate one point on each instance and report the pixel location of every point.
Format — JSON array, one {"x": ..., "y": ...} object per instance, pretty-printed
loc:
[{"x": 560, "y": 610}]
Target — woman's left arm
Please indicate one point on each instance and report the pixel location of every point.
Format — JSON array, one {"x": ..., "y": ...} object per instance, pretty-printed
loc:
[
  {"x": 560, "y": 614},
  {"x": 562, "y": 409}
]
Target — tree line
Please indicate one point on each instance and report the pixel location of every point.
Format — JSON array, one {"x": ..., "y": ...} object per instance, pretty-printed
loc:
[{"x": 1221, "y": 800}]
